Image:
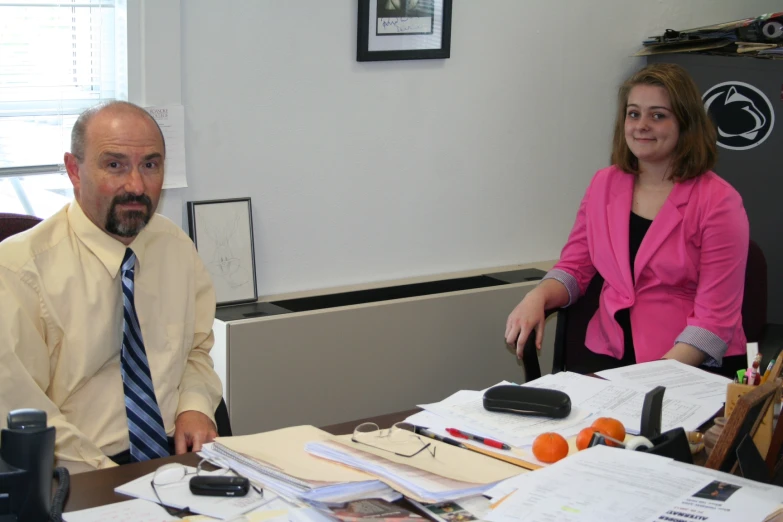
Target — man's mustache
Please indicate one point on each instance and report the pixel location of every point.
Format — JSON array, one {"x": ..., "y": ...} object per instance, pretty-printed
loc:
[{"x": 132, "y": 198}]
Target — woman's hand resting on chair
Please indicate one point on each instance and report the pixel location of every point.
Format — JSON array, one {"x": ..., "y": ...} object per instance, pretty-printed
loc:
[{"x": 528, "y": 316}]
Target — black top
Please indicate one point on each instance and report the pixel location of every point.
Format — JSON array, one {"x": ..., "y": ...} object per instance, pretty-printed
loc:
[{"x": 637, "y": 230}]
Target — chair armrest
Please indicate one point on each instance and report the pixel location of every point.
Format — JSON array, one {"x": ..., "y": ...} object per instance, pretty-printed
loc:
[{"x": 530, "y": 353}]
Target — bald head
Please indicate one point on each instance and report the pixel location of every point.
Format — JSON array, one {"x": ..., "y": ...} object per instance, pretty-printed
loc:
[{"x": 79, "y": 132}]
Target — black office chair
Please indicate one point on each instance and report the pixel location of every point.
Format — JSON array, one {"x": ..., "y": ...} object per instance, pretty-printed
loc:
[
  {"x": 222, "y": 421},
  {"x": 570, "y": 350},
  {"x": 11, "y": 224}
]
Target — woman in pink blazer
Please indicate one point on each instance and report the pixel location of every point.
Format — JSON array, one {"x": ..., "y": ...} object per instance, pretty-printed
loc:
[{"x": 669, "y": 237}]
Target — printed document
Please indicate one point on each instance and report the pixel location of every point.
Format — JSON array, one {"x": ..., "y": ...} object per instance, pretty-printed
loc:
[
  {"x": 603, "y": 483},
  {"x": 679, "y": 379},
  {"x": 623, "y": 400},
  {"x": 590, "y": 398},
  {"x": 171, "y": 120}
]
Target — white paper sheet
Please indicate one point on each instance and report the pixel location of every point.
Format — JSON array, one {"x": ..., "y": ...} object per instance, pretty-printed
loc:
[
  {"x": 679, "y": 379},
  {"x": 178, "y": 495},
  {"x": 438, "y": 425},
  {"x": 171, "y": 119},
  {"x": 603, "y": 483},
  {"x": 590, "y": 398},
  {"x": 427, "y": 486},
  {"x": 136, "y": 510},
  {"x": 465, "y": 410},
  {"x": 624, "y": 400}
]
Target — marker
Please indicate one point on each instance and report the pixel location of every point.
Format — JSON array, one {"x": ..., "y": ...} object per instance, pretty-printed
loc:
[
  {"x": 427, "y": 433},
  {"x": 489, "y": 442}
]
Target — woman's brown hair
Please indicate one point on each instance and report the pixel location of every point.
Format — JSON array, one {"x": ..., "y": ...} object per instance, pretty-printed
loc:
[{"x": 696, "y": 150}]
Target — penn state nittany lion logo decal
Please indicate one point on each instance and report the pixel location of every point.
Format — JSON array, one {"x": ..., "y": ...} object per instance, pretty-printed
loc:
[{"x": 743, "y": 114}]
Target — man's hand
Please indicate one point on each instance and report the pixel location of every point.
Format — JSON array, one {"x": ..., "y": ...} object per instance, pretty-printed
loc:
[{"x": 191, "y": 430}]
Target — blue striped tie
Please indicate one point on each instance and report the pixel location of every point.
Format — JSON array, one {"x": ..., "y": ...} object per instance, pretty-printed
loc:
[{"x": 145, "y": 424}]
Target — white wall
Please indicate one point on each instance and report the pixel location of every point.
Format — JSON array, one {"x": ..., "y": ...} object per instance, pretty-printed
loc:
[{"x": 364, "y": 172}]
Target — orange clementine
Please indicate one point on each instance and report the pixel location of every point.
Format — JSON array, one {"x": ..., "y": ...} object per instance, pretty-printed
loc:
[
  {"x": 584, "y": 438},
  {"x": 550, "y": 447},
  {"x": 611, "y": 428}
]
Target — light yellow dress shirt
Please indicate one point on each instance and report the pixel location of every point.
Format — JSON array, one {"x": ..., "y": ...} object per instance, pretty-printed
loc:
[{"x": 61, "y": 320}]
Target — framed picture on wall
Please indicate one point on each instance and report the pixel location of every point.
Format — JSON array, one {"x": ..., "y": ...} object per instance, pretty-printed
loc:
[
  {"x": 222, "y": 231},
  {"x": 403, "y": 30}
]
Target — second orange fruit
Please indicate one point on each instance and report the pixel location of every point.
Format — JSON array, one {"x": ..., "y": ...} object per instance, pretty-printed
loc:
[
  {"x": 550, "y": 447},
  {"x": 584, "y": 438}
]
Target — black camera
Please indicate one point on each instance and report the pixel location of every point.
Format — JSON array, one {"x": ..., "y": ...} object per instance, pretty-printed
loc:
[{"x": 27, "y": 468}]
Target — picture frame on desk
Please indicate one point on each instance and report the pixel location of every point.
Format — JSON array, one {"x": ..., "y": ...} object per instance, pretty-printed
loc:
[
  {"x": 745, "y": 419},
  {"x": 222, "y": 231},
  {"x": 403, "y": 30}
]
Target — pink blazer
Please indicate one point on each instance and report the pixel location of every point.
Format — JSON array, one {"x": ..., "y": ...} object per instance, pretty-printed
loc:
[{"x": 689, "y": 271}]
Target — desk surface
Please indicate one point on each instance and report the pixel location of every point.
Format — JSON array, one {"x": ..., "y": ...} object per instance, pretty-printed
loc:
[{"x": 96, "y": 488}]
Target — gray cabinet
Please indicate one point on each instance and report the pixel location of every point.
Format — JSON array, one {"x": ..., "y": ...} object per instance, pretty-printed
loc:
[{"x": 329, "y": 364}]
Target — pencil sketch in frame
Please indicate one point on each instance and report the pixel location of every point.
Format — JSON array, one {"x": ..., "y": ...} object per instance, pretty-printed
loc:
[
  {"x": 403, "y": 30},
  {"x": 222, "y": 231}
]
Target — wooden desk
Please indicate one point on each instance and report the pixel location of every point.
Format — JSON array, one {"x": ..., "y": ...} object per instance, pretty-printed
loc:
[{"x": 96, "y": 488}]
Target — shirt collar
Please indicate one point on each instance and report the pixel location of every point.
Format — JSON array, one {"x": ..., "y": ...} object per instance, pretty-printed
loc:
[{"x": 107, "y": 249}]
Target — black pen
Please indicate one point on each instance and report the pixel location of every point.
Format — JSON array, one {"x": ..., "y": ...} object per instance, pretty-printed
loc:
[{"x": 427, "y": 433}]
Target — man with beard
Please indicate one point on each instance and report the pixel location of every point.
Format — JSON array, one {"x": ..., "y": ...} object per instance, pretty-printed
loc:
[{"x": 106, "y": 309}]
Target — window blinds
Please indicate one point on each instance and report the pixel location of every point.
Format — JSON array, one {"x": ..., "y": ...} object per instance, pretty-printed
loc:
[{"x": 56, "y": 59}]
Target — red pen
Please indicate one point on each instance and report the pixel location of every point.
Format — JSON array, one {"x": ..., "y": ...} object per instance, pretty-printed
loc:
[{"x": 489, "y": 442}]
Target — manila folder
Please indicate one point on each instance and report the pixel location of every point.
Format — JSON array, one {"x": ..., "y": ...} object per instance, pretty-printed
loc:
[{"x": 284, "y": 449}]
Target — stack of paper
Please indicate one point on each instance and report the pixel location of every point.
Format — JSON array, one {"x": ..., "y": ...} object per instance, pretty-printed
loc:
[
  {"x": 681, "y": 381},
  {"x": 277, "y": 460},
  {"x": 603, "y": 483},
  {"x": 623, "y": 400},
  {"x": 688, "y": 403},
  {"x": 451, "y": 473}
]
